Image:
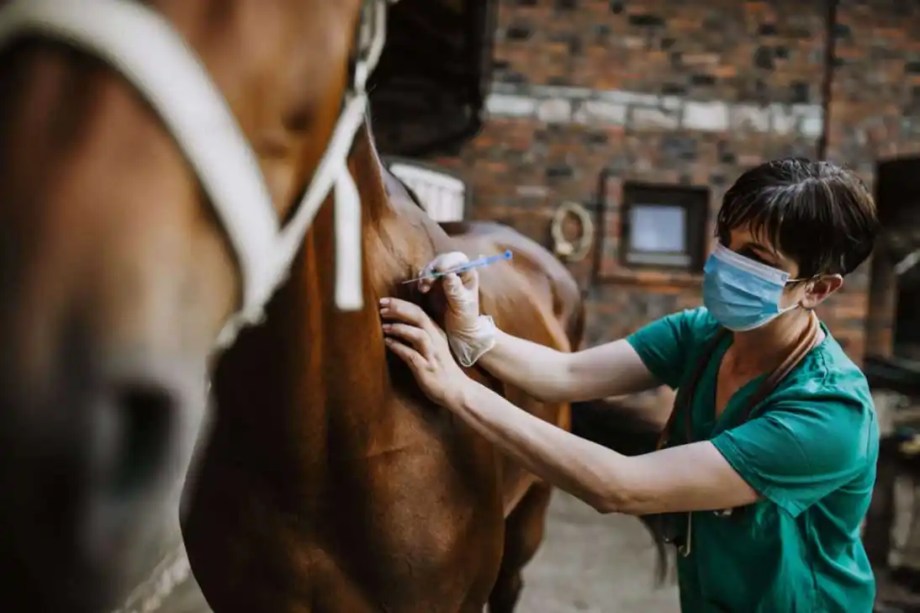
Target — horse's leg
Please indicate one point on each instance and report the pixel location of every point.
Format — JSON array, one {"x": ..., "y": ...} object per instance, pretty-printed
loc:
[{"x": 523, "y": 535}]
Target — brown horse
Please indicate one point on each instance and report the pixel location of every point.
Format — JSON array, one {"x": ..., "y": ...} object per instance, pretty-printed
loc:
[
  {"x": 329, "y": 482},
  {"x": 117, "y": 280},
  {"x": 133, "y": 226}
]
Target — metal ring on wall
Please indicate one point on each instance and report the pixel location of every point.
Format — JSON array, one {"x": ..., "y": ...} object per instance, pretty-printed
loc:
[{"x": 572, "y": 251}]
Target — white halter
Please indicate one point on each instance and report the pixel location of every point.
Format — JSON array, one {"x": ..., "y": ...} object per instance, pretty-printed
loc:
[{"x": 142, "y": 46}]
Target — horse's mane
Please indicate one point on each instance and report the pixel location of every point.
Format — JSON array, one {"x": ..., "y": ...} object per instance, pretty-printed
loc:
[{"x": 384, "y": 167}]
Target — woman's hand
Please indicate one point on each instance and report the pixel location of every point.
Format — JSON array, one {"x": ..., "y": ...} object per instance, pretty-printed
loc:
[
  {"x": 462, "y": 290},
  {"x": 421, "y": 344},
  {"x": 470, "y": 334}
]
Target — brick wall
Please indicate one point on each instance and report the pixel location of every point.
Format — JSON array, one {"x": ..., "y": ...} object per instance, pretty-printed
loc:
[
  {"x": 874, "y": 115},
  {"x": 589, "y": 94}
]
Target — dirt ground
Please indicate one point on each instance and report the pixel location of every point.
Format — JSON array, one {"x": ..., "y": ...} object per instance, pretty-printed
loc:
[
  {"x": 594, "y": 563},
  {"x": 588, "y": 563}
]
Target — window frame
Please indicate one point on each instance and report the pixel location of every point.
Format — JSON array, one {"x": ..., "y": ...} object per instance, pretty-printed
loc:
[{"x": 694, "y": 201}]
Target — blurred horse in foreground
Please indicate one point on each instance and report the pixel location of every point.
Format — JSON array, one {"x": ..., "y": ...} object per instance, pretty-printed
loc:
[{"x": 147, "y": 154}]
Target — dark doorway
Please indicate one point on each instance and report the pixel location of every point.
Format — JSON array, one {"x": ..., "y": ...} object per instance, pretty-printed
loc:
[
  {"x": 894, "y": 326},
  {"x": 907, "y": 320}
]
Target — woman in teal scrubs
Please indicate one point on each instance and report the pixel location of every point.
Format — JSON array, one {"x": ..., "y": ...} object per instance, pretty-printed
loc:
[{"x": 766, "y": 468}]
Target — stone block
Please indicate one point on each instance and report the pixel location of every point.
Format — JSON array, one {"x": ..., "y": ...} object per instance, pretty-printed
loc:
[
  {"x": 749, "y": 118},
  {"x": 555, "y": 110},
  {"x": 705, "y": 116},
  {"x": 510, "y": 105},
  {"x": 653, "y": 118},
  {"x": 593, "y": 112}
]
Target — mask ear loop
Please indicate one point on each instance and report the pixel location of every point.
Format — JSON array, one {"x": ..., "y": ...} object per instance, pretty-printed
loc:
[{"x": 795, "y": 282}]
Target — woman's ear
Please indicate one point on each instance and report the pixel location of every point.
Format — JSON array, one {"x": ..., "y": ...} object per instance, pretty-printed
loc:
[{"x": 819, "y": 289}]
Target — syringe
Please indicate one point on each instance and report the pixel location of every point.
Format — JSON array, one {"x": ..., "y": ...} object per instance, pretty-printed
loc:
[{"x": 477, "y": 263}]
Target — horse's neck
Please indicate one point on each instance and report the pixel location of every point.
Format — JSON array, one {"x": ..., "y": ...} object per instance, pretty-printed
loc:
[{"x": 312, "y": 375}]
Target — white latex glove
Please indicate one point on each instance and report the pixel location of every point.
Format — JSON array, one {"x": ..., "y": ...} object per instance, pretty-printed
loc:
[{"x": 469, "y": 333}]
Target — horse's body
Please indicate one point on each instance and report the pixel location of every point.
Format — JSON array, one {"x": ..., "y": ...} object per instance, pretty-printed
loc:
[{"x": 330, "y": 483}]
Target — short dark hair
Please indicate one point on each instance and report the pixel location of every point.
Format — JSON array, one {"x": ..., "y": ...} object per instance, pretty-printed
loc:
[{"x": 819, "y": 214}]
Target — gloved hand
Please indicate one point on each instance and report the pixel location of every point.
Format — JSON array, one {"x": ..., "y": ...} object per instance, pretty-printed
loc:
[{"x": 469, "y": 333}]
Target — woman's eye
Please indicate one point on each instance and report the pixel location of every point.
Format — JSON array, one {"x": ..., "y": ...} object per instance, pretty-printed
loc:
[
  {"x": 753, "y": 255},
  {"x": 750, "y": 254}
]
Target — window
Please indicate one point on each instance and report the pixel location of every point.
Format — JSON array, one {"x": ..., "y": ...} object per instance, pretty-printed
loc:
[{"x": 664, "y": 226}]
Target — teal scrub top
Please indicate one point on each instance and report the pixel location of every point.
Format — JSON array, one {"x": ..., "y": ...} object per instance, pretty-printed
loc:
[{"x": 810, "y": 450}]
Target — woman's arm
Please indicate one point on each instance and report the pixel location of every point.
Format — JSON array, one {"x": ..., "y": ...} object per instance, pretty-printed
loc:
[
  {"x": 686, "y": 478},
  {"x": 610, "y": 369}
]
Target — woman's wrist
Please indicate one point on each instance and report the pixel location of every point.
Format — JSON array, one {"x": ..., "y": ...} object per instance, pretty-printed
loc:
[
  {"x": 471, "y": 342},
  {"x": 463, "y": 395}
]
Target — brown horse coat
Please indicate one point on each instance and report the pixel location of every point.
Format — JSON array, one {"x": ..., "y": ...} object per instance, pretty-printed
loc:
[{"x": 329, "y": 482}]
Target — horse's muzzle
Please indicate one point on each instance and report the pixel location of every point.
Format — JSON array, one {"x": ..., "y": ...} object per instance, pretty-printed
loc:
[{"x": 91, "y": 467}]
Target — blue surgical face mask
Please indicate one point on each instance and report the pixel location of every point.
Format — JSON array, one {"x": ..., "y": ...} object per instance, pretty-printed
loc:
[{"x": 740, "y": 293}]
